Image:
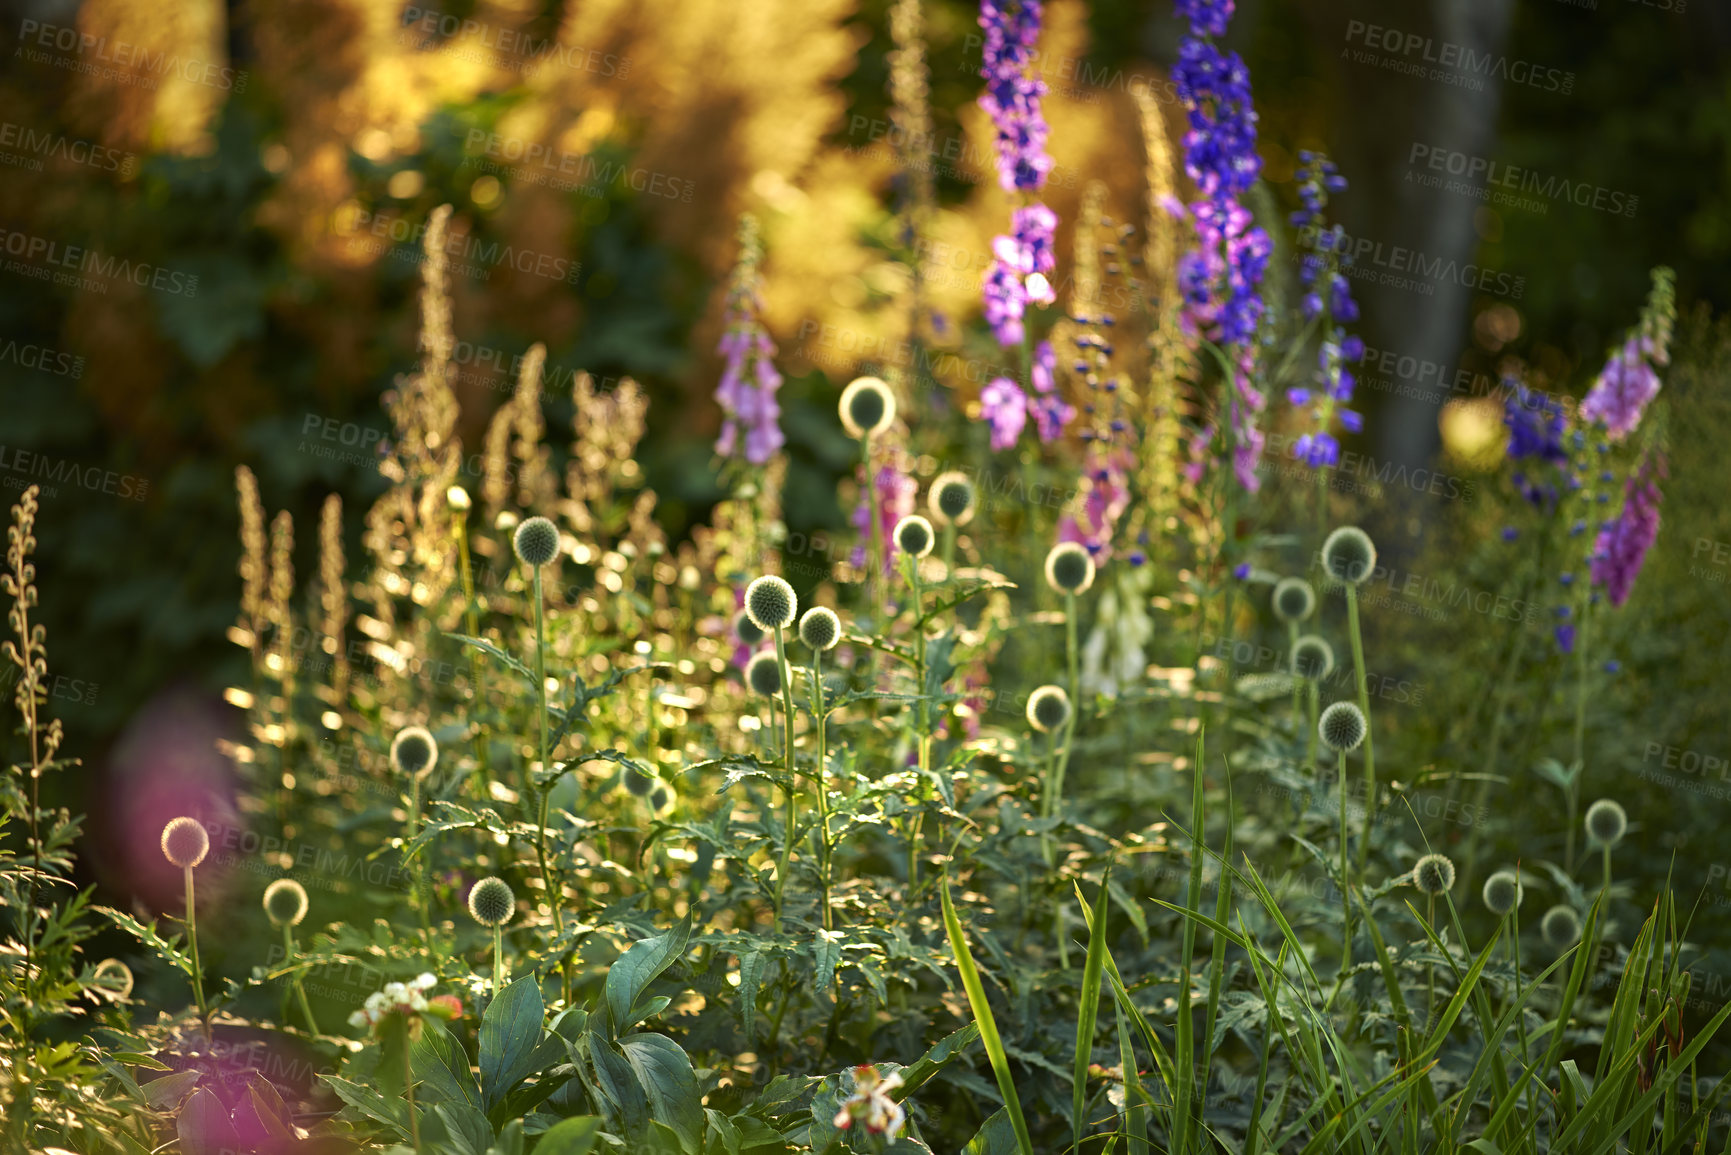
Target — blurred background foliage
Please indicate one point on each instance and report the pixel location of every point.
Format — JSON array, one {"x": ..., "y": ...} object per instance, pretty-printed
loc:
[{"x": 292, "y": 158}]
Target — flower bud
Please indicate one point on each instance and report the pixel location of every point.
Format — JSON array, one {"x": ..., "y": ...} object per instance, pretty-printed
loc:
[
  {"x": 913, "y": 536},
  {"x": 1560, "y": 926},
  {"x": 1503, "y": 892},
  {"x": 771, "y": 603},
  {"x": 1048, "y": 709},
  {"x": 285, "y": 902},
  {"x": 820, "y": 628},
  {"x": 867, "y": 407},
  {"x": 1312, "y": 658},
  {"x": 763, "y": 674},
  {"x": 1293, "y": 599},
  {"x": 185, "y": 842},
  {"x": 1069, "y": 569},
  {"x": 1342, "y": 727},
  {"x": 951, "y": 498},
  {"x": 1349, "y": 555},
  {"x": 1434, "y": 874},
  {"x": 536, "y": 542},
  {"x": 491, "y": 902},
  {"x": 413, "y": 752},
  {"x": 1607, "y": 822}
]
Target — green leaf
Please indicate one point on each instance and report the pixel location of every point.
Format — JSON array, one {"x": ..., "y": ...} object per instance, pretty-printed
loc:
[
  {"x": 988, "y": 1024},
  {"x": 936, "y": 1059},
  {"x": 165, "y": 1092},
  {"x": 467, "y": 1126},
  {"x": 1088, "y": 1008},
  {"x": 632, "y": 972},
  {"x": 368, "y": 1102},
  {"x": 497, "y": 655},
  {"x": 997, "y": 1136},
  {"x": 571, "y": 1137},
  {"x": 204, "y": 1127},
  {"x": 617, "y": 1081},
  {"x": 441, "y": 1067},
  {"x": 665, "y": 1072},
  {"x": 510, "y": 1033},
  {"x": 751, "y": 968}
]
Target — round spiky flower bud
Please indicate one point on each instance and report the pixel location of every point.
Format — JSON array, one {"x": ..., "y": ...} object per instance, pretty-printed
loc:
[
  {"x": 636, "y": 782},
  {"x": 285, "y": 901},
  {"x": 413, "y": 752},
  {"x": 1312, "y": 658},
  {"x": 763, "y": 674},
  {"x": 661, "y": 798},
  {"x": 458, "y": 499},
  {"x": 1342, "y": 727},
  {"x": 1561, "y": 926},
  {"x": 1293, "y": 599},
  {"x": 536, "y": 542},
  {"x": 746, "y": 630},
  {"x": 1434, "y": 874},
  {"x": 867, "y": 407},
  {"x": 1069, "y": 569},
  {"x": 951, "y": 498},
  {"x": 185, "y": 842},
  {"x": 491, "y": 902},
  {"x": 1607, "y": 822},
  {"x": 1048, "y": 708},
  {"x": 913, "y": 535},
  {"x": 1503, "y": 892},
  {"x": 771, "y": 603},
  {"x": 820, "y": 628},
  {"x": 113, "y": 976},
  {"x": 1349, "y": 555}
]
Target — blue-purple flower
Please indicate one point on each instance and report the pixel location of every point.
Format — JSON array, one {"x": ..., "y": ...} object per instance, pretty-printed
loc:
[
  {"x": 1004, "y": 406},
  {"x": 1622, "y": 545},
  {"x": 1012, "y": 96},
  {"x": 749, "y": 380}
]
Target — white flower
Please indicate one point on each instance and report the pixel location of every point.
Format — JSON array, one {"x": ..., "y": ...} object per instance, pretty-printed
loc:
[
  {"x": 871, "y": 1103},
  {"x": 424, "y": 982},
  {"x": 359, "y": 1019}
]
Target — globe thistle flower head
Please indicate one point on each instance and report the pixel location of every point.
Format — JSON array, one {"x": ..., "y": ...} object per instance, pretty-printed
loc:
[
  {"x": 1048, "y": 708},
  {"x": 636, "y": 782},
  {"x": 114, "y": 977},
  {"x": 1503, "y": 892},
  {"x": 536, "y": 542},
  {"x": 1607, "y": 822},
  {"x": 1069, "y": 569},
  {"x": 867, "y": 407},
  {"x": 1312, "y": 658},
  {"x": 746, "y": 630},
  {"x": 1293, "y": 599},
  {"x": 185, "y": 842},
  {"x": 457, "y": 498},
  {"x": 951, "y": 498},
  {"x": 413, "y": 752},
  {"x": 771, "y": 603},
  {"x": 661, "y": 799},
  {"x": 763, "y": 674},
  {"x": 1342, "y": 727},
  {"x": 285, "y": 901},
  {"x": 1434, "y": 874},
  {"x": 1561, "y": 926},
  {"x": 820, "y": 628},
  {"x": 914, "y": 536},
  {"x": 491, "y": 902},
  {"x": 1349, "y": 556}
]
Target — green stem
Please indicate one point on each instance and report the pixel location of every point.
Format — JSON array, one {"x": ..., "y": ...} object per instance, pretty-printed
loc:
[
  {"x": 1310, "y": 730},
  {"x": 1345, "y": 880},
  {"x": 1075, "y": 691},
  {"x": 498, "y": 959},
  {"x": 472, "y": 617},
  {"x": 1363, "y": 705},
  {"x": 421, "y": 901},
  {"x": 874, "y": 535},
  {"x": 540, "y": 793},
  {"x": 787, "y": 767},
  {"x": 192, "y": 940},
  {"x": 288, "y": 942},
  {"x": 818, "y": 719}
]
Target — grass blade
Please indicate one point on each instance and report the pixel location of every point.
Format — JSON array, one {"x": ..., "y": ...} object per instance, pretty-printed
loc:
[
  {"x": 982, "y": 1009},
  {"x": 1089, "y": 1009}
]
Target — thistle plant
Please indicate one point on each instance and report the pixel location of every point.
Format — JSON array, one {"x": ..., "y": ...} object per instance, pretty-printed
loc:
[
  {"x": 1312, "y": 663},
  {"x": 951, "y": 501},
  {"x": 491, "y": 904},
  {"x": 1049, "y": 714},
  {"x": 867, "y": 409},
  {"x": 285, "y": 904},
  {"x": 458, "y": 502},
  {"x": 185, "y": 843},
  {"x": 1293, "y": 602},
  {"x": 1434, "y": 876},
  {"x": 1342, "y": 728},
  {"x": 414, "y": 754},
  {"x": 1349, "y": 558},
  {"x": 820, "y": 630},
  {"x": 536, "y": 543},
  {"x": 1070, "y": 572},
  {"x": 772, "y": 605}
]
